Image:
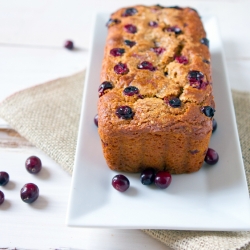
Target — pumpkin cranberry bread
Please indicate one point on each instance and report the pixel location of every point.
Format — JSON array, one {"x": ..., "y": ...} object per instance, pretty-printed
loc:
[{"x": 156, "y": 104}]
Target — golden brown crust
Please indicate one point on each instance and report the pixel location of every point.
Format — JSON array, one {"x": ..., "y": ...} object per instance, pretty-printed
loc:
[{"x": 158, "y": 135}]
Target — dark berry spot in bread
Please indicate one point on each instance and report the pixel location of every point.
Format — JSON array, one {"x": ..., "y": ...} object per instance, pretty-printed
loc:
[
  {"x": 208, "y": 111},
  {"x": 205, "y": 41},
  {"x": 129, "y": 43},
  {"x": 112, "y": 22},
  {"x": 159, "y": 6},
  {"x": 146, "y": 65},
  {"x": 158, "y": 50},
  {"x": 214, "y": 125},
  {"x": 153, "y": 24},
  {"x": 193, "y": 152},
  {"x": 166, "y": 73},
  {"x": 129, "y": 12},
  {"x": 131, "y": 90},
  {"x": 105, "y": 85},
  {"x": 206, "y": 61},
  {"x": 211, "y": 157},
  {"x": 174, "y": 29},
  {"x": 175, "y": 102},
  {"x": 181, "y": 59},
  {"x": 175, "y": 7},
  {"x": 96, "y": 120},
  {"x": 124, "y": 112},
  {"x": 130, "y": 28},
  {"x": 117, "y": 52},
  {"x": 195, "y": 78},
  {"x": 121, "y": 68}
]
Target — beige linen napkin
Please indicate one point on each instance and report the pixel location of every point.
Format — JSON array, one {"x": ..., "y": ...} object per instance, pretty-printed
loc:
[{"x": 48, "y": 116}]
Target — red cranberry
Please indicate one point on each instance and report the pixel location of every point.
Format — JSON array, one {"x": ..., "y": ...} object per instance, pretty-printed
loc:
[
  {"x": 158, "y": 50},
  {"x": 112, "y": 22},
  {"x": 175, "y": 102},
  {"x": 214, "y": 125},
  {"x": 117, "y": 52},
  {"x": 130, "y": 91},
  {"x": 163, "y": 179},
  {"x": 208, "y": 111},
  {"x": 181, "y": 59},
  {"x": 146, "y": 65},
  {"x": 148, "y": 176},
  {"x": 174, "y": 29},
  {"x": 96, "y": 120},
  {"x": 33, "y": 165},
  {"x": 105, "y": 85},
  {"x": 29, "y": 192},
  {"x": 129, "y": 43},
  {"x": 124, "y": 112},
  {"x": 129, "y": 12},
  {"x": 1, "y": 197},
  {"x": 130, "y": 28},
  {"x": 205, "y": 41},
  {"x": 153, "y": 24},
  {"x": 4, "y": 178},
  {"x": 121, "y": 68},
  {"x": 120, "y": 182},
  {"x": 211, "y": 157},
  {"x": 69, "y": 45}
]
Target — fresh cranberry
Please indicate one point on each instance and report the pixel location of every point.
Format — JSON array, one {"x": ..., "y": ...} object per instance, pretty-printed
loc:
[
  {"x": 130, "y": 91},
  {"x": 146, "y": 65},
  {"x": 112, "y": 22},
  {"x": 1, "y": 197},
  {"x": 174, "y": 29},
  {"x": 4, "y": 178},
  {"x": 208, "y": 111},
  {"x": 33, "y": 165},
  {"x": 117, "y": 52},
  {"x": 129, "y": 12},
  {"x": 158, "y": 50},
  {"x": 163, "y": 179},
  {"x": 214, "y": 125},
  {"x": 124, "y": 112},
  {"x": 181, "y": 59},
  {"x": 153, "y": 24},
  {"x": 195, "y": 78},
  {"x": 211, "y": 157},
  {"x": 105, "y": 85},
  {"x": 96, "y": 120},
  {"x": 130, "y": 28},
  {"x": 175, "y": 102},
  {"x": 121, "y": 68},
  {"x": 120, "y": 182},
  {"x": 29, "y": 192},
  {"x": 205, "y": 41},
  {"x": 129, "y": 43},
  {"x": 206, "y": 61},
  {"x": 147, "y": 176},
  {"x": 69, "y": 45}
]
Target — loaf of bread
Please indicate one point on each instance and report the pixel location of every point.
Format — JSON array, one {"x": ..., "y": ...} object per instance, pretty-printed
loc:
[{"x": 155, "y": 104}]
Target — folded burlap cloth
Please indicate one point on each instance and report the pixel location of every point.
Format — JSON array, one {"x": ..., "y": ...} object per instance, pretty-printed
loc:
[{"x": 48, "y": 116}]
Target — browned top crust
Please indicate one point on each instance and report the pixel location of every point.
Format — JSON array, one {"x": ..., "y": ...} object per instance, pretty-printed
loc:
[{"x": 177, "y": 32}]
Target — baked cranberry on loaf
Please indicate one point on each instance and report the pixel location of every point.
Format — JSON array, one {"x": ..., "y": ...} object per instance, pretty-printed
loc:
[{"x": 155, "y": 99}]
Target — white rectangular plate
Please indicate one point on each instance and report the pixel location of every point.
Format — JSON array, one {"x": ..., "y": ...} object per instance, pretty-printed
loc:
[{"x": 214, "y": 198}]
